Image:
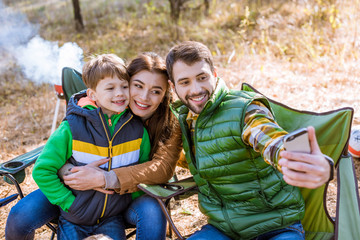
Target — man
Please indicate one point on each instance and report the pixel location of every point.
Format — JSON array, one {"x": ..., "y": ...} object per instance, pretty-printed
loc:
[{"x": 234, "y": 150}]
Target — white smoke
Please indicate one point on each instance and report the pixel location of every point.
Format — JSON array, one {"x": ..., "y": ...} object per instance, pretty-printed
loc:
[
  {"x": 40, "y": 60},
  {"x": 15, "y": 29}
]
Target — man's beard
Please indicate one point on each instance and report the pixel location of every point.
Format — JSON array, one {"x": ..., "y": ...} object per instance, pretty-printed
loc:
[{"x": 191, "y": 107}]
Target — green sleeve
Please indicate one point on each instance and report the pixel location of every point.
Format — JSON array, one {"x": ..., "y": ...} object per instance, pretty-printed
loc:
[
  {"x": 145, "y": 147},
  {"x": 54, "y": 155}
]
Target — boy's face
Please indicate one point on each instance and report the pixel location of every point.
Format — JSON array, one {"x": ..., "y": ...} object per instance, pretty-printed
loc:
[
  {"x": 111, "y": 95},
  {"x": 193, "y": 84}
]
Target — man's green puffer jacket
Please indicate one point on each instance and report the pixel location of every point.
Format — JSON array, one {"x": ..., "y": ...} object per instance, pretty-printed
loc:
[{"x": 242, "y": 195}]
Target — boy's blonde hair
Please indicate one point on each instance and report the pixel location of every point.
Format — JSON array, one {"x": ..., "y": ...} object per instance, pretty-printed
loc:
[{"x": 102, "y": 66}]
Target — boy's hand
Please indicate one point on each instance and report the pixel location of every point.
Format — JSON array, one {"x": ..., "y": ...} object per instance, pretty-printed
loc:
[
  {"x": 305, "y": 170},
  {"x": 88, "y": 177}
]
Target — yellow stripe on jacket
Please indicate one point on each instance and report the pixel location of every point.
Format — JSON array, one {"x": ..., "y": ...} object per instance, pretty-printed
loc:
[{"x": 123, "y": 154}]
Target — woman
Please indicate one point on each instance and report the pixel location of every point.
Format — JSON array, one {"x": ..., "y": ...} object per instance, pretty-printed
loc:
[{"x": 149, "y": 99}]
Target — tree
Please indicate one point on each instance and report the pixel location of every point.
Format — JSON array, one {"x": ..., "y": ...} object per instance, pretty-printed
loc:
[
  {"x": 207, "y": 6},
  {"x": 175, "y": 9},
  {"x": 79, "y": 25},
  {"x": 176, "y": 6}
]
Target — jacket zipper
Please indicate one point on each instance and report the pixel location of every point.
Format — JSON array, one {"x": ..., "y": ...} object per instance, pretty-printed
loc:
[{"x": 110, "y": 155}]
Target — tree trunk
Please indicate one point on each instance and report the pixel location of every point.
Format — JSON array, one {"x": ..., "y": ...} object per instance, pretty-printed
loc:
[
  {"x": 175, "y": 9},
  {"x": 207, "y": 6},
  {"x": 79, "y": 25}
]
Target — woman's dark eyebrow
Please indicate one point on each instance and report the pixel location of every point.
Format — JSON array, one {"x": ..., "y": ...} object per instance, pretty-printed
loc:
[
  {"x": 137, "y": 80},
  {"x": 157, "y": 87}
]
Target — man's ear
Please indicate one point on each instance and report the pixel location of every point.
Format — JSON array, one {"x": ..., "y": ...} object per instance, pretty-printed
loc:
[
  {"x": 215, "y": 73},
  {"x": 91, "y": 94}
]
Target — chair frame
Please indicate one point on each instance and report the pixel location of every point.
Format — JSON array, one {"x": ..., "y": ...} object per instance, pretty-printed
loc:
[
  {"x": 163, "y": 193},
  {"x": 16, "y": 166},
  {"x": 24, "y": 160}
]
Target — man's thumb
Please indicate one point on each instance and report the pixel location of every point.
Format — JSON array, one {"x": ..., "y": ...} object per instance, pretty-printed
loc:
[{"x": 313, "y": 141}]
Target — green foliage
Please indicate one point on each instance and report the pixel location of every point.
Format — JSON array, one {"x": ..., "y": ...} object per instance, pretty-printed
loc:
[{"x": 285, "y": 29}]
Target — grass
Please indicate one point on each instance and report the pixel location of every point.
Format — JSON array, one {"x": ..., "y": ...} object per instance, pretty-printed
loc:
[{"x": 302, "y": 53}]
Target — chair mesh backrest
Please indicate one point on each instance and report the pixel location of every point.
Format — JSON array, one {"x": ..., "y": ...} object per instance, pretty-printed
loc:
[
  {"x": 332, "y": 131},
  {"x": 71, "y": 82}
]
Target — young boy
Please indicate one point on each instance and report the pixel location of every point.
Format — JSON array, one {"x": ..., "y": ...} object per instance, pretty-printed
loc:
[{"x": 98, "y": 125}]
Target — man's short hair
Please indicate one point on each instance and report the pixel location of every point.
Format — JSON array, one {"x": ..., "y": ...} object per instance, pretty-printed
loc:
[
  {"x": 188, "y": 52},
  {"x": 102, "y": 66}
]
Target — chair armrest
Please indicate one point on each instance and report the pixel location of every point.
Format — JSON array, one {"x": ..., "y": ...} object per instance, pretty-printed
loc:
[
  {"x": 4, "y": 201},
  {"x": 15, "y": 167},
  {"x": 20, "y": 162},
  {"x": 169, "y": 190}
]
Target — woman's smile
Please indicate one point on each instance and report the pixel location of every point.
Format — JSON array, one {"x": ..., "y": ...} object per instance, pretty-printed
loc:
[{"x": 142, "y": 106}]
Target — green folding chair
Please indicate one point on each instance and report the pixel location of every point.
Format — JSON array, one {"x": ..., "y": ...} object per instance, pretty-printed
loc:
[
  {"x": 14, "y": 169},
  {"x": 71, "y": 82},
  {"x": 163, "y": 193},
  {"x": 333, "y": 132}
]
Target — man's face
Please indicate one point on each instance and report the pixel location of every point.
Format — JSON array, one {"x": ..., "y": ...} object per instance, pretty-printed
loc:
[{"x": 193, "y": 84}]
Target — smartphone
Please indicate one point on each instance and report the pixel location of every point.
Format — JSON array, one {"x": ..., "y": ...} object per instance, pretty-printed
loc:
[{"x": 297, "y": 141}]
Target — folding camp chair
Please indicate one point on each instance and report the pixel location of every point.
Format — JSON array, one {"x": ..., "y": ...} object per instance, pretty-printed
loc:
[
  {"x": 163, "y": 193},
  {"x": 14, "y": 169},
  {"x": 333, "y": 132}
]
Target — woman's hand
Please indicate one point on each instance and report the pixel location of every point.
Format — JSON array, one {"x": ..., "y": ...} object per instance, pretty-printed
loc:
[
  {"x": 88, "y": 177},
  {"x": 305, "y": 170}
]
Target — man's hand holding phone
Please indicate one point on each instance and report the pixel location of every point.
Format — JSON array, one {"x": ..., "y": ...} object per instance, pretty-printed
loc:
[{"x": 303, "y": 168}]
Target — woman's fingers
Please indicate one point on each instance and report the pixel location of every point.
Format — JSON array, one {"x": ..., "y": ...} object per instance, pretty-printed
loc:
[
  {"x": 104, "y": 191},
  {"x": 85, "y": 178},
  {"x": 98, "y": 162}
]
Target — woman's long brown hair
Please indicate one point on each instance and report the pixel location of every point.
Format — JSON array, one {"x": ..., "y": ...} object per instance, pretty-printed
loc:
[{"x": 159, "y": 125}]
